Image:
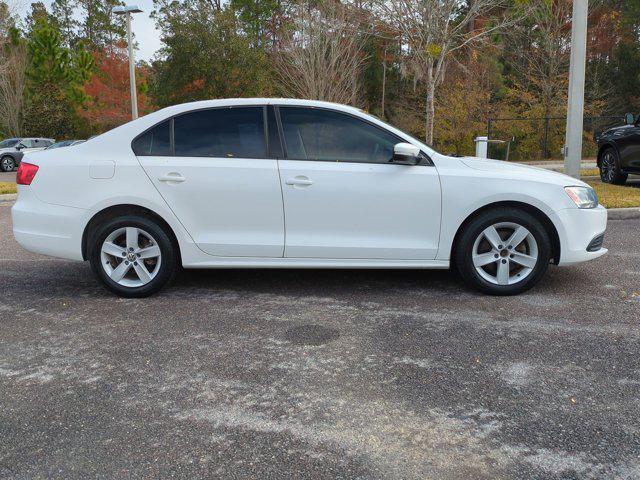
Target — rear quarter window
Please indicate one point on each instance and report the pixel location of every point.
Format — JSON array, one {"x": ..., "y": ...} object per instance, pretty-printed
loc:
[{"x": 156, "y": 141}]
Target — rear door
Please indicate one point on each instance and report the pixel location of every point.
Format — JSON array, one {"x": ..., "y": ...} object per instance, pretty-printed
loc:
[
  {"x": 212, "y": 168},
  {"x": 345, "y": 200}
]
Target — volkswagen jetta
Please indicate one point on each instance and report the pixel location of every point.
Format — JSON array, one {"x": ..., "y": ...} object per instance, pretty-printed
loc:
[{"x": 280, "y": 183}]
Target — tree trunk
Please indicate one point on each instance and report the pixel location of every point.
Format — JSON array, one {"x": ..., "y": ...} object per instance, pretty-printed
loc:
[
  {"x": 384, "y": 78},
  {"x": 430, "y": 113}
]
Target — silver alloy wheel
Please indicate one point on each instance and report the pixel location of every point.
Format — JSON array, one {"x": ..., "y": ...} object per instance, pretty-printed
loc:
[
  {"x": 608, "y": 167},
  {"x": 130, "y": 257},
  {"x": 505, "y": 253},
  {"x": 8, "y": 164}
]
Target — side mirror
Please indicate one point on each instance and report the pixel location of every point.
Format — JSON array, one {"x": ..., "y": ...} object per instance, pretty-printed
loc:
[
  {"x": 20, "y": 146},
  {"x": 406, "y": 154},
  {"x": 630, "y": 119}
]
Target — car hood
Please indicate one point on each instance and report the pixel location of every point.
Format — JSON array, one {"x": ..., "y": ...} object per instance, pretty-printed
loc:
[
  {"x": 521, "y": 172},
  {"x": 615, "y": 129}
]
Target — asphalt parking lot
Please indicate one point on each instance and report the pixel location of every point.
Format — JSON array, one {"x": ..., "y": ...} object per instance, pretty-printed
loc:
[
  {"x": 7, "y": 176},
  {"x": 320, "y": 374}
]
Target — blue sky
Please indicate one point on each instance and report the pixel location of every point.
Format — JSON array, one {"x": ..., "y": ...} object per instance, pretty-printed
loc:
[{"x": 146, "y": 35}]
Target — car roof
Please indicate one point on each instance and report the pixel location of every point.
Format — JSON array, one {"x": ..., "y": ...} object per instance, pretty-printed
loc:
[{"x": 230, "y": 102}]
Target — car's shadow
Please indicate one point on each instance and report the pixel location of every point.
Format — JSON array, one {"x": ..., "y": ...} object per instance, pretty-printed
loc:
[{"x": 317, "y": 280}]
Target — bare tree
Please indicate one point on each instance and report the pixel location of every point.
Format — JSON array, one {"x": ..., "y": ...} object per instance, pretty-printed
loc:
[
  {"x": 323, "y": 56},
  {"x": 540, "y": 48},
  {"x": 13, "y": 62},
  {"x": 433, "y": 30}
]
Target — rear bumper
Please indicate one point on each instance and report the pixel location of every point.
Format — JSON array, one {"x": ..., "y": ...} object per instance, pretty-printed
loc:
[
  {"x": 581, "y": 227},
  {"x": 46, "y": 228}
]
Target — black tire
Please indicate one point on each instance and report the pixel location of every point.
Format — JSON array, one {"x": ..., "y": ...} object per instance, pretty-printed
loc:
[
  {"x": 7, "y": 164},
  {"x": 168, "y": 261},
  {"x": 609, "y": 166},
  {"x": 473, "y": 230}
]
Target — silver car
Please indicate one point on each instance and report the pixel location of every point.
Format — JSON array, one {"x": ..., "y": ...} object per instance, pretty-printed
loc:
[{"x": 13, "y": 149}]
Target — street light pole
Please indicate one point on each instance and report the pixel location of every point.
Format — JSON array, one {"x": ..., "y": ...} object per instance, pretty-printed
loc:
[
  {"x": 575, "y": 107},
  {"x": 127, "y": 11},
  {"x": 132, "y": 71}
]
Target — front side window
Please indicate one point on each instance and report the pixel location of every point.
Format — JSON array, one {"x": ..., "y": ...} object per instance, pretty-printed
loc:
[
  {"x": 327, "y": 135},
  {"x": 236, "y": 132},
  {"x": 156, "y": 141}
]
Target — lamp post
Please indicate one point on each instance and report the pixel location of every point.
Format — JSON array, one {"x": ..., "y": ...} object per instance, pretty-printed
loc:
[
  {"x": 575, "y": 107},
  {"x": 127, "y": 10}
]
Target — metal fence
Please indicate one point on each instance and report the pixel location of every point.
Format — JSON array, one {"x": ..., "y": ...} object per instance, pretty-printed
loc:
[{"x": 542, "y": 138}]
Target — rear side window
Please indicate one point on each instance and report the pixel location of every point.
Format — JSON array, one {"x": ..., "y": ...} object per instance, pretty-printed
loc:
[
  {"x": 156, "y": 141},
  {"x": 222, "y": 132}
]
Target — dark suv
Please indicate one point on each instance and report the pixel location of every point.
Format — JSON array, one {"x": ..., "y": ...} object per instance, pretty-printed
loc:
[{"x": 619, "y": 151}]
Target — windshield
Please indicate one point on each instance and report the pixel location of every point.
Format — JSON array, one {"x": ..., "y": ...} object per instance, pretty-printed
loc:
[{"x": 9, "y": 142}]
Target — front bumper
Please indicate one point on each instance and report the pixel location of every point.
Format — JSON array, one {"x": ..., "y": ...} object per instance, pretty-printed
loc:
[{"x": 580, "y": 228}]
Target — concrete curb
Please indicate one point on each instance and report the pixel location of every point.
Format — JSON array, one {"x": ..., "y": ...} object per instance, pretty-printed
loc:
[
  {"x": 624, "y": 213},
  {"x": 8, "y": 197}
]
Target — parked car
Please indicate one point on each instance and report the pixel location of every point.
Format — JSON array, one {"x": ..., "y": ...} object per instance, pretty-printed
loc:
[
  {"x": 619, "y": 151},
  {"x": 13, "y": 149},
  {"x": 266, "y": 183},
  {"x": 65, "y": 143}
]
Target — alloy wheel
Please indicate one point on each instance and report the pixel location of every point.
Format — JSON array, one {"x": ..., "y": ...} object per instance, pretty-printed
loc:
[
  {"x": 130, "y": 256},
  {"x": 8, "y": 164},
  {"x": 608, "y": 167},
  {"x": 505, "y": 253}
]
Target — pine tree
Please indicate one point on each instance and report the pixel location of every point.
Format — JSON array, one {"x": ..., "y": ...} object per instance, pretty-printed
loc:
[
  {"x": 63, "y": 11},
  {"x": 100, "y": 28}
]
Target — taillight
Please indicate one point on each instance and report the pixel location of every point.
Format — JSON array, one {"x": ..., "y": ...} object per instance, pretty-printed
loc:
[{"x": 26, "y": 172}]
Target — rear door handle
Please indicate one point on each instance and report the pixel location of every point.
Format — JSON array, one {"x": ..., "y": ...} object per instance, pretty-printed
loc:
[
  {"x": 299, "y": 181},
  {"x": 173, "y": 177}
]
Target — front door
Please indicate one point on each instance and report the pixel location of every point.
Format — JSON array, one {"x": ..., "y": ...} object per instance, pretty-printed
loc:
[
  {"x": 342, "y": 197},
  {"x": 218, "y": 179}
]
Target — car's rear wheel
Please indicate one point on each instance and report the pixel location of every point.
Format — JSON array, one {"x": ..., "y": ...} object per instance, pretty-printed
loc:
[
  {"x": 133, "y": 256},
  {"x": 7, "y": 164},
  {"x": 503, "y": 251},
  {"x": 610, "y": 168}
]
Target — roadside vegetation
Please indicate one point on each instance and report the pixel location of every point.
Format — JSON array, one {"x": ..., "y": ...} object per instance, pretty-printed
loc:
[
  {"x": 7, "y": 187},
  {"x": 616, "y": 196}
]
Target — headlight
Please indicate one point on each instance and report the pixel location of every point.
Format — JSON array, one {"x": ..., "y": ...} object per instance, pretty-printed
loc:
[{"x": 583, "y": 197}]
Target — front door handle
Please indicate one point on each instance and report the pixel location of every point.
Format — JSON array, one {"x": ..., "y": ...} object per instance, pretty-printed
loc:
[
  {"x": 173, "y": 177},
  {"x": 299, "y": 181}
]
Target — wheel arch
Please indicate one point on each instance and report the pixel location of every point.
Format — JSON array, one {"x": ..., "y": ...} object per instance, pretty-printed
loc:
[
  {"x": 602, "y": 148},
  {"x": 536, "y": 212},
  {"x": 126, "y": 209}
]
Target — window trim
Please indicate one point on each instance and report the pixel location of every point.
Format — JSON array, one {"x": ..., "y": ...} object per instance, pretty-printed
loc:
[
  {"x": 276, "y": 128},
  {"x": 172, "y": 144},
  {"x": 425, "y": 161}
]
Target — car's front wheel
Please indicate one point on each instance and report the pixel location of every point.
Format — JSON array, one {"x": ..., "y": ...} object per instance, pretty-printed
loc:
[
  {"x": 503, "y": 251},
  {"x": 7, "y": 164},
  {"x": 610, "y": 168},
  {"x": 133, "y": 256}
]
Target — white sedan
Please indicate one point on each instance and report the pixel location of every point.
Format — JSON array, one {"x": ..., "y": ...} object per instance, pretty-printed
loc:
[{"x": 278, "y": 183}]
